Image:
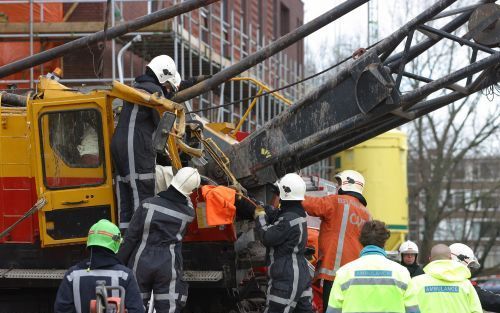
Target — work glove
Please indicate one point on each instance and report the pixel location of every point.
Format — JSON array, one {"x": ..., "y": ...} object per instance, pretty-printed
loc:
[{"x": 259, "y": 211}]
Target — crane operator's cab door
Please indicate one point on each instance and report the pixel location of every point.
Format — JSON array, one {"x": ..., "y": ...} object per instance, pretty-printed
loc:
[{"x": 72, "y": 140}]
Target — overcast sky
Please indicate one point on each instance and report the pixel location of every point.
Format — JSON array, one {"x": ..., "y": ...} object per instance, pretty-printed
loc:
[{"x": 391, "y": 15}]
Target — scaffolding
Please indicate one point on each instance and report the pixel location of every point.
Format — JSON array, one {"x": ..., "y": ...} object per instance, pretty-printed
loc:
[{"x": 203, "y": 41}]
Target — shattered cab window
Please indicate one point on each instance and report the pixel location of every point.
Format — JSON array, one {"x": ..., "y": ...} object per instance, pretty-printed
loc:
[{"x": 72, "y": 146}]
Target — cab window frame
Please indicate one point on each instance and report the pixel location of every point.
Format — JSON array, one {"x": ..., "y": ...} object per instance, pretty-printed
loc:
[{"x": 102, "y": 151}]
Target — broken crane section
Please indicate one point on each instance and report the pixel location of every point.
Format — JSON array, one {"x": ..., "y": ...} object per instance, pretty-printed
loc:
[{"x": 362, "y": 100}]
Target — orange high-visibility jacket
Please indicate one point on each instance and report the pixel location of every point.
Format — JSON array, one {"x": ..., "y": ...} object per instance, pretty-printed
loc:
[
  {"x": 342, "y": 217},
  {"x": 220, "y": 208}
]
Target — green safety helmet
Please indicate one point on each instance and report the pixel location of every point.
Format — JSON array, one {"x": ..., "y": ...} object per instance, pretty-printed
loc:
[{"x": 104, "y": 234}]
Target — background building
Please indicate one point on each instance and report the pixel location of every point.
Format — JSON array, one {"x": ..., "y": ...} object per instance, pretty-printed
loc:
[
  {"x": 471, "y": 205},
  {"x": 203, "y": 41}
]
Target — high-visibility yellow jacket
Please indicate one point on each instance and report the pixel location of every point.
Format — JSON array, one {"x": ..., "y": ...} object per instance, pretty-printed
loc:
[
  {"x": 445, "y": 287},
  {"x": 372, "y": 283}
]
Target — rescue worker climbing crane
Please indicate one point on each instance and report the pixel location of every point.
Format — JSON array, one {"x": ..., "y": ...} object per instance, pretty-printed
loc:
[{"x": 132, "y": 142}]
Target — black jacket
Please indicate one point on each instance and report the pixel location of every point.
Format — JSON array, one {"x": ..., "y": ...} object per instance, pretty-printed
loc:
[
  {"x": 414, "y": 269},
  {"x": 286, "y": 239},
  {"x": 163, "y": 229},
  {"x": 77, "y": 288},
  {"x": 489, "y": 300}
]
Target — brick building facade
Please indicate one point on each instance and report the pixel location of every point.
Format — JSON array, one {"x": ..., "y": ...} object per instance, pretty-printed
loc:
[{"x": 203, "y": 41}]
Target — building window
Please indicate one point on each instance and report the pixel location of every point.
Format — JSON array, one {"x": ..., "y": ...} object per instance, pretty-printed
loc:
[
  {"x": 459, "y": 172},
  {"x": 204, "y": 25},
  {"x": 284, "y": 19},
  {"x": 456, "y": 228},
  {"x": 458, "y": 200},
  {"x": 488, "y": 228},
  {"x": 490, "y": 201}
]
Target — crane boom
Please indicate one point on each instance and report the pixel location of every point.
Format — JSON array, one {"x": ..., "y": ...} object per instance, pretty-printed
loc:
[{"x": 361, "y": 101}]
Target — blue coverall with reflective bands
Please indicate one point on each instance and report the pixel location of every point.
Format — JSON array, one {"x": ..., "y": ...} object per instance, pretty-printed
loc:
[
  {"x": 289, "y": 277},
  {"x": 153, "y": 249},
  {"x": 78, "y": 286}
]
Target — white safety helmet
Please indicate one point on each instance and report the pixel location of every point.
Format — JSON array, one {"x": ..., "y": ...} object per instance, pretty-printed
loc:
[
  {"x": 176, "y": 81},
  {"x": 408, "y": 247},
  {"x": 292, "y": 187},
  {"x": 463, "y": 254},
  {"x": 350, "y": 180},
  {"x": 163, "y": 177},
  {"x": 186, "y": 180},
  {"x": 165, "y": 70}
]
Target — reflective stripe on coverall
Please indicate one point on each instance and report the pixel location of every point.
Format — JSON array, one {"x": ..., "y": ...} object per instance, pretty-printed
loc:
[
  {"x": 372, "y": 283},
  {"x": 153, "y": 249},
  {"x": 133, "y": 154},
  {"x": 78, "y": 286},
  {"x": 342, "y": 217},
  {"x": 445, "y": 287},
  {"x": 289, "y": 278}
]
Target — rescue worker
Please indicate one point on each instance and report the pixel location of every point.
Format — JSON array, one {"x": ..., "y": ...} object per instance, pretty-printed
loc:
[
  {"x": 78, "y": 286},
  {"x": 153, "y": 242},
  {"x": 286, "y": 238},
  {"x": 445, "y": 286},
  {"x": 132, "y": 143},
  {"x": 372, "y": 283},
  {"x": 409, "y": 253},
  {"x": 342, "y": 217},
  {"x": 463, "y": 254}
]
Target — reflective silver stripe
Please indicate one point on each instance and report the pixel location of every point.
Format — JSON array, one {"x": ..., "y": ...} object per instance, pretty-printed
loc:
[
  {"x": 126, "y": 179},
  {"x": 76, "y": 275},
  {"x": 171, "y": 287},
  {"x": 270, "y": 283},
  {"x": 164, "y": 296},
  {"x": 333, "y": 310},
  {"x": 412, "y": 309},
  {"x": 179, "y": 235},
  {"x": 169, "y": 212},
  {"x": 118, "y": 200},
  {"x": 131, "y": 157},
  {"x": 145, "y": 295},
  {"x": 297, "y": 221},
  {"x": 283, "y": 301},
  {"x": 115, "y": 282},
  {"x": 373, "y": 281},
  {"x": 307, "y": 293},
  {"x": 145, "y": 235},
  {"x": 184, "y": 298},
  {"x": 266, "y": 227},
  {"x": 262, "y": 220},
  {"x": 327, "y": 271},
  {"x": 295, "y": 269},
  {"x": 124, "y": 225},
  {"x": 340, "y": 242}
]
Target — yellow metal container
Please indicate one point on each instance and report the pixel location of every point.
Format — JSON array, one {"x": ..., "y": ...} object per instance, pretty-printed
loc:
[{"x": 382, "y": 161}]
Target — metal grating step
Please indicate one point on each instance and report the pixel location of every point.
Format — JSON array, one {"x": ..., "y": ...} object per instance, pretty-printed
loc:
[
  {"x": 206, "y": 276},
  {"x": 210, "y": 276},
  {"x": 32, "y": 274}
]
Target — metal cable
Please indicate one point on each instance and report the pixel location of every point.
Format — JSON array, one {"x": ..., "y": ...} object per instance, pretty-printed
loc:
[{"x": 356, "y": 53}]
